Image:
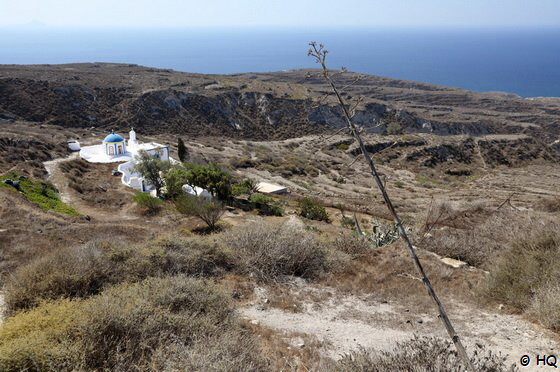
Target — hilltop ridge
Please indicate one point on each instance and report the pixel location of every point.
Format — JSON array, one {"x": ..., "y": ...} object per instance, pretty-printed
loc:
[{"x": 260, "y": 106}]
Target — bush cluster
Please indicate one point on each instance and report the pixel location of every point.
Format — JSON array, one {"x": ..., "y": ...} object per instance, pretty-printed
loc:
[
  {"x": 86, "y": 270},
  {"x": 270, "y": 251},
  {"x": 131, "y": 327}
]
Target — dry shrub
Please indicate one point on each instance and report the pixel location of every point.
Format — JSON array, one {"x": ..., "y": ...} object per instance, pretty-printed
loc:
[
  {"x": 32, "y": 340},
  {"x": 269, "y": 251},
  {"x": 546, "y": 304},
  {"x": 209, "y": 211},
  {"x": 125, "y": 323},
  {"x": 132, "y": 327},
  {"x": 478, "y": 236},
  {"x": 551, "y": 205},
  {"x": 193, "y": 256},
  {"x": 353, "y": 245},
  {"x": 526, "y": 268},
  {"x": 85, "y": 270},
  {"x": 233, "y": 350},
  {"x": 419, "y": 355},
  {"x": 68, "y": 272}
]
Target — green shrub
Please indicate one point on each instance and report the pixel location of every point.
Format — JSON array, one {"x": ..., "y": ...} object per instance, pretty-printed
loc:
[
  {"x": 272, "y": 250},
  {"x": 174, "y": 179},
  {"x": 149, "y": 204},
  {"x": 209, "y": 177},
  {"x": 313, "y": 209},
  {"x": 182, "y": 151},
  {"x": 152, "y": 169},
  {"x": 420, "y": 355},
  {"x": 247, "y": 186},
  {"x": 266, "y": 205},
  {"x": 41, "y": 193}
]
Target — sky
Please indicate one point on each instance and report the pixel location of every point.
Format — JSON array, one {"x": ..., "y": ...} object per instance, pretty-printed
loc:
[{"x": 279, "y": 13}]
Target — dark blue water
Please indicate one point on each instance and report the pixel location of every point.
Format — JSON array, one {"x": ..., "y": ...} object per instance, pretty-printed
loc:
[{"x": 526, "y": 61}]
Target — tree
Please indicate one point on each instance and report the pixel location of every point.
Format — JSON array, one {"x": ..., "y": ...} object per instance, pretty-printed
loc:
[
  {"x": 182, "y": 151},
  {"x": 211, "y": 178},
  {"x": 209, "y": 211},
  {"x": 151, "y": 170},
  {"x": 174, "y": 179}
]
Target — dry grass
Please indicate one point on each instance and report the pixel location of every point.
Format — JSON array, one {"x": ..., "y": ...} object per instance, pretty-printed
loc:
[
  {"x": 419, "y": 355},
  {"x": 85, "y": 270},
  {"x": 475, "y": 234},
  {"x": 527, "y": 268},
  {"x": 551, "y": 205}
]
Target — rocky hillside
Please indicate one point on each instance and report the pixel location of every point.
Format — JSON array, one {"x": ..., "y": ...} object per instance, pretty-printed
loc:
[{"x": 256, "y": 106}]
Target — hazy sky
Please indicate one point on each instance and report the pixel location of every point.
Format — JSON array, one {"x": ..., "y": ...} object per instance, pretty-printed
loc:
[{"x": 292, "y": 13}]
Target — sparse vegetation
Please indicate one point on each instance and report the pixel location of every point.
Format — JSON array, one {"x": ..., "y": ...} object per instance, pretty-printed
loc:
[
  {"x": 421, "y": 355},
  {"x": 110, "y": 290},
  {"x": 530, "y": 266},
  {"x": 40, "y": 193},
  {"x": 313, "y": 209},
  {"x": 551, "y": 205},
  {"x": 83, "y": 271}
]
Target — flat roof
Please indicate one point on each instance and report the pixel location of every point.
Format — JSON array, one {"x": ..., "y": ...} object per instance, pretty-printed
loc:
[{"x": 270, "y": 188}]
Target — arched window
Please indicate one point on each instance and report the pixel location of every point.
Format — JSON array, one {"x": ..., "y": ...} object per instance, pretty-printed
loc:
[{"x": 111, "y": 150}]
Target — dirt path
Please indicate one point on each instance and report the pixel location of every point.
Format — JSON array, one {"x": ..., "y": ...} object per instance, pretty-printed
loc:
[
  {"x": 68, "y": 196},
  {"x": 345, "y": 323}
]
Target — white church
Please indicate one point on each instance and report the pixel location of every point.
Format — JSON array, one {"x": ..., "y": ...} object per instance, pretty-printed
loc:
[{"x": 115, "y": 149}]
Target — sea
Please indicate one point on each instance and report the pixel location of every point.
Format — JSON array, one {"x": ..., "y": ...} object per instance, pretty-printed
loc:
[{"x": 523, "y": 61}]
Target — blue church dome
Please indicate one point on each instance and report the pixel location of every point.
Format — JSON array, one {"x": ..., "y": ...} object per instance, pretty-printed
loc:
[{"x": 113, "y": 137}]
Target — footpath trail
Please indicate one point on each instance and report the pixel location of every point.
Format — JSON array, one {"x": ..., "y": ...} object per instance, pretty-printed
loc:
[
  {"x": 67, "y": 195},
  {"x": 345, "y": 323}
]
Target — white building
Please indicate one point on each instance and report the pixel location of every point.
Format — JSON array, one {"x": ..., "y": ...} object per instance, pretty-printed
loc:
[{"x": 115, "y": 149}]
